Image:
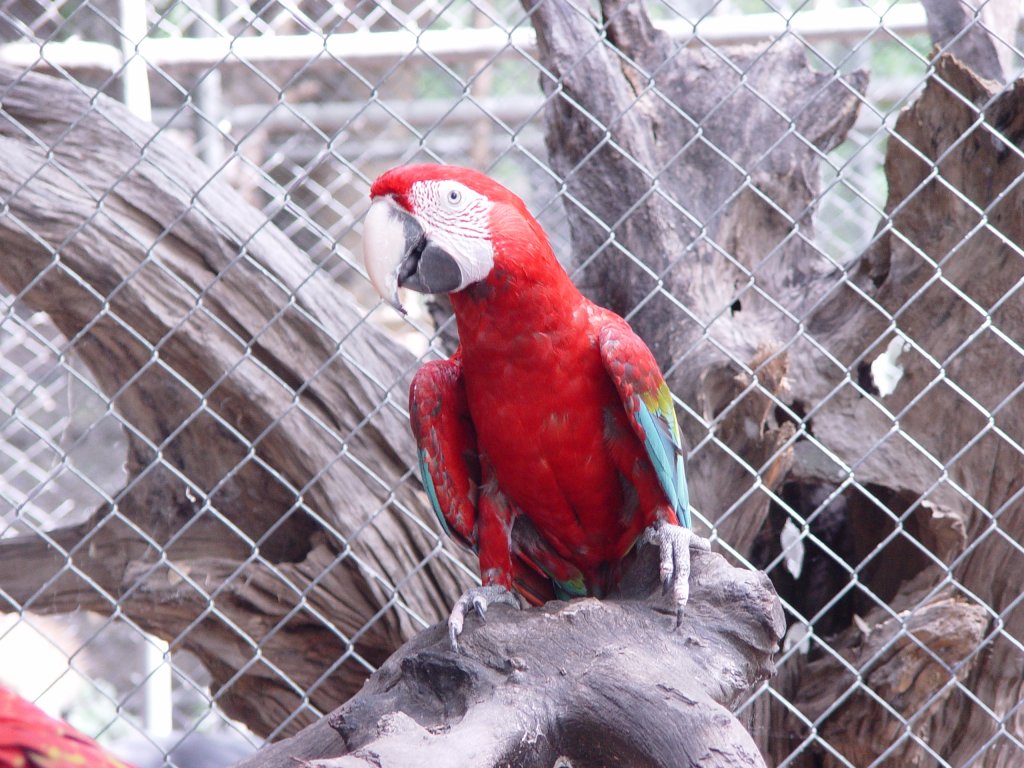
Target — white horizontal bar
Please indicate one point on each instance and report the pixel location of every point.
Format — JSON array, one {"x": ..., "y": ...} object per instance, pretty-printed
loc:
[
  {"x": 813, "y": 26},
  {"x": 72, "y": 54},
  {"x": 452, "y": 45},
  {"x": 363, "y": 47},
  {"x": 513, "y": 111}
]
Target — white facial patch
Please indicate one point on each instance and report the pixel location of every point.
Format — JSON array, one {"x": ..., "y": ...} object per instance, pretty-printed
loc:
[{"x": 457, "y": 219}]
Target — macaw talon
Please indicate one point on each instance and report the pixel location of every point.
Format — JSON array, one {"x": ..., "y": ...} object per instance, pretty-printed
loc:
[
  {"x": 674, "y": 543},
  {"x": 478, "y": 599}
]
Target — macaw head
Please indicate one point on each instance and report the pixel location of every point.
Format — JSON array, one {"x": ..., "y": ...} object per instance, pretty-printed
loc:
[{"x": 442, "y": 228}]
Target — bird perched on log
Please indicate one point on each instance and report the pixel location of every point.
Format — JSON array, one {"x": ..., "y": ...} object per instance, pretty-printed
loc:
[
  {"x": 548, "y": 442},
  {"x": 29, "y": 738}
]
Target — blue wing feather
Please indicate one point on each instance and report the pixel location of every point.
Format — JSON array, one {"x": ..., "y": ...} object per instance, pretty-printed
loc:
[
  {"x": 663, "y": 444},
  {"x": 648, "y": 401}
]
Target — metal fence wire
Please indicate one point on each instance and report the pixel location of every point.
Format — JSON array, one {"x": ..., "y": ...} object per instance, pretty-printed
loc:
[{"x": 300, "y": 105}]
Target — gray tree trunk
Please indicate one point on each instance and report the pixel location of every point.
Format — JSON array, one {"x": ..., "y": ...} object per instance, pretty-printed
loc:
[{"x": 694, "y": 177}]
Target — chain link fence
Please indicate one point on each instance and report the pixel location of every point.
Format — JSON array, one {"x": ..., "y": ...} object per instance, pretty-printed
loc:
[{"x": 299, "y": 106}]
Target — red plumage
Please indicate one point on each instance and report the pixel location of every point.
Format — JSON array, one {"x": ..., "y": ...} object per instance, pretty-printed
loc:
[
  {"x": 29, "y": 738},
  {"x": 529, "y": 438}
]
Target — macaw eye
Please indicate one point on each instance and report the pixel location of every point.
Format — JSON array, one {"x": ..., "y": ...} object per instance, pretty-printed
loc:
[{"x": 454, "y": 197}]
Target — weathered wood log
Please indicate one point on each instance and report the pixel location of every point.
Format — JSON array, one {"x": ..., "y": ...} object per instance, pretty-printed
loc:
[
  {"x": 265, "y": 418},
  {"x": 948, "y": 267},
  {"x": 942, "y": 275},
  {"x": 585, "y": 683},
  {"x": 716, "y": 211},
  {"x": 905, "y": 661}
]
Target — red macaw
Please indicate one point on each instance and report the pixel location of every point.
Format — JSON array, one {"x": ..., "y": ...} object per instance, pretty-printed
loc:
[
  {"x": 548, "y": 442},
  {"x": 29, "y": 738}
]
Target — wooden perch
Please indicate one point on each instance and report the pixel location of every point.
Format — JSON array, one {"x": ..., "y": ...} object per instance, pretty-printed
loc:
[{"x": 588, "y": 682}]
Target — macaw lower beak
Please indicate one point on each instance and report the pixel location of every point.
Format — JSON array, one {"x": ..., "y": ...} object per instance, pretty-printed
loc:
[{"x": 397, "y": 253}]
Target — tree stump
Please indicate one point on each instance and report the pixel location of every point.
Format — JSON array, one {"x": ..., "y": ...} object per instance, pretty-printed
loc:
[{"x": 584, "y": 683}]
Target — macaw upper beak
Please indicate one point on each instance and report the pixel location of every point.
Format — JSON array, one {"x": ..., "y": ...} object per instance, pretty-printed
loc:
[{"x": 398, "y": 253}]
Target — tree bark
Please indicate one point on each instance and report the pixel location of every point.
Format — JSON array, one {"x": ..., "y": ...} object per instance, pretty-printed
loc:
[
  {"x": 266, "y": 422},
  {"x": 586, "y": 683},
  {"x": 702, "y": 222},
  {"x": 979, "y": 35}
]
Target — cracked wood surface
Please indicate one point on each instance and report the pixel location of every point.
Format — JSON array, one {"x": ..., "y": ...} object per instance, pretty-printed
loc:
[{"x": 590, "y": 682}]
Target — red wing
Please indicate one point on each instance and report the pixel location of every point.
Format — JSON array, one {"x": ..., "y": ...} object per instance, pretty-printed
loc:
[
  {"x": 451, "y": 474},
  {"x": 450, "y": 468},
  {"x": 446, "y": 442}
]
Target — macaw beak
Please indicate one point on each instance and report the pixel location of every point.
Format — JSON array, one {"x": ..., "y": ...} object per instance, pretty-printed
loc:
[{"x": 397, "y": 253}]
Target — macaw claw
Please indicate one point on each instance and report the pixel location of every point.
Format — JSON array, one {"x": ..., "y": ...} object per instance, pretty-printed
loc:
[
  {"x": 674, "y": 543},
  {"x": 479, "y": 599}
]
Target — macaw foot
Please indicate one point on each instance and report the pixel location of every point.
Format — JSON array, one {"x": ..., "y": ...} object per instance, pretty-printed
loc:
[
  {"x": 674, "y": 543},
  {"x": 479, "y": 599}
]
